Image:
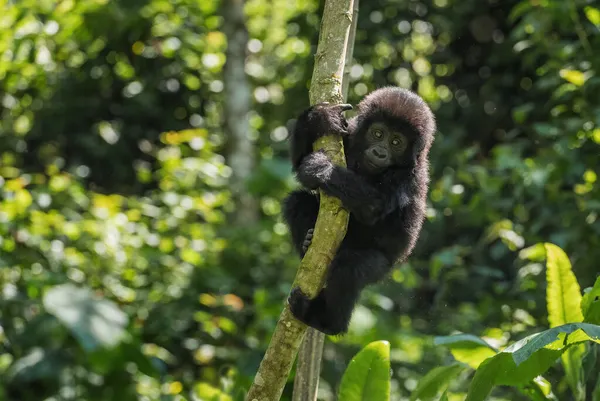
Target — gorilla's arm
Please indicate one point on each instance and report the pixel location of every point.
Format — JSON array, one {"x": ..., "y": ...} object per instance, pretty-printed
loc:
[
  {"x": 301, "y": 140},
  {"x": 314, "y": 122},
  {"x": 368, "y": 203}
]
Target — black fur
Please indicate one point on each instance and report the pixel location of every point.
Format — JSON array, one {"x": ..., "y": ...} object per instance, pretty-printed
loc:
[{"x": 386, "y": 208}]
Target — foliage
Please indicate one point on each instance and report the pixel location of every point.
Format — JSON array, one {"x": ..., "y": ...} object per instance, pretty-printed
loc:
[
  {"x": 367, "y": 375},
  {"x": 522, "y": 363},
  {"x": 114, "y": 198},
  {"x": 519, "y": 364}
]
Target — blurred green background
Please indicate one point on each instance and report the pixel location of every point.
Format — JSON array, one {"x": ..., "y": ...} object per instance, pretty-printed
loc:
[{"x": 143, "y": 161}]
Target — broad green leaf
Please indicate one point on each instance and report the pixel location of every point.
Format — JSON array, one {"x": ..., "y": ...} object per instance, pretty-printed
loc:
[
  {"x": 484, "y": 379},
  {"x": 563, "y": 296},
  {"x": 528, "y": 358},
  {"x": 444, "y": 396},
  {"x": 94, "y": 321},
  {"x": 436, "y": 381},
  {"x": 467, "y": 348},
  {"x": 590, "y": 304},
  {"x": 367, "y": 377}
]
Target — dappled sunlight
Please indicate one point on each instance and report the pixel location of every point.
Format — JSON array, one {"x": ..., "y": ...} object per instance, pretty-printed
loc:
[{"x": 137, "y": 262}]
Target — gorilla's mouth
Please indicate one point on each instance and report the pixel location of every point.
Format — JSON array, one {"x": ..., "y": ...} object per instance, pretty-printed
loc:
[{"x": 372, "y": 166}]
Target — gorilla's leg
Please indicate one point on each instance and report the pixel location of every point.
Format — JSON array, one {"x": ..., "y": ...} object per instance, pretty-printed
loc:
[
  {"x": 300, "y": 211},
  {"x": 349, "y": 273}
]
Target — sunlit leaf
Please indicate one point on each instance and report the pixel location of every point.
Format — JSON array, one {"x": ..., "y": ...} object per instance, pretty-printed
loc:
[
  {"x": 573, "y": 76},
  {"x": 526, "y": 359},
  {"x": 367, "y": 377},
  {"x": 467, "y": 348},
  {"x": 563, "y": 295},
  {"x": 593, "y": 14},
  {"x": 563, "y": 298},
  {"x": 204, "y": 391},
  {"x": 535, "y": 253}
]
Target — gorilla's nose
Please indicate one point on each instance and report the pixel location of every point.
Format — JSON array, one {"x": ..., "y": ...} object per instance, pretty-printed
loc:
[{"x": 379, "y": 153}]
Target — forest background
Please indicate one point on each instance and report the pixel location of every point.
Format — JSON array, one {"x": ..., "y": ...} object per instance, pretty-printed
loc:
[{"x": 143, "y": 161}]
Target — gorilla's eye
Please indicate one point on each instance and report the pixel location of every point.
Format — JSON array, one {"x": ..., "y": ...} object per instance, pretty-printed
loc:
[
  {"x": 398, "y": 143},
  {"x": 378, "y": 134}
]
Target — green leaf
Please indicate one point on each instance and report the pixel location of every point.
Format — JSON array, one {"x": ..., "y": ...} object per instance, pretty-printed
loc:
[
  {"x": 467, "y": 348},
  {"x": 436, "y": 381},
  {"x": 205, "y": 391},
  {"x": 94, "y": 321},
  {"x": 528, "y": 358},
  {"x": 535, "y": 253},
  {"x": 539, "y": 389},
  {"x": 573, "y": 76},
  {"x": 543, "y": 388},
  {"x": 564, "y": 299},
  {"x": 590, "y": 304},
  {"x": 563, "y": 296},
  {"x": 593, "y": 14},
  {"x": 444, "y": 396},
  {"x": 367, "y": 377}
]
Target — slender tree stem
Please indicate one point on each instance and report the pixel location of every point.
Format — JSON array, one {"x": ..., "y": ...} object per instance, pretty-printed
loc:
[
  {"x": 308, "y": 369},
  {"x": 332, "y": 221}
]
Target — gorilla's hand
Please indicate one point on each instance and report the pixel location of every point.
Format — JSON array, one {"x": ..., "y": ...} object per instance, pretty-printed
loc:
[
  {"x": 326, "y": 119},
  {"x": 314, "y": 170}
]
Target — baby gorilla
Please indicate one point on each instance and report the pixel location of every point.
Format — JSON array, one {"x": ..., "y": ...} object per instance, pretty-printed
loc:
[{"x": 384, "y": 188}]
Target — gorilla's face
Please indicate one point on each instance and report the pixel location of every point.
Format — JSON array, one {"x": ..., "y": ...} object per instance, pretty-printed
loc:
[{"x": 384, "y": 146}]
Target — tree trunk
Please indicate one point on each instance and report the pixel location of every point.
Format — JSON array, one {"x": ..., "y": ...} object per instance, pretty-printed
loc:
[{"x": 241, "y": 155}]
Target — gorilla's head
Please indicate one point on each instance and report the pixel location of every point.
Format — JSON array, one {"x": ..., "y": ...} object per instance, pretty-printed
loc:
[{"x": 393, "y": 127}]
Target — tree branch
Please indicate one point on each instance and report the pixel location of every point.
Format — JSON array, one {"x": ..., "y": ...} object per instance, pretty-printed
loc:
[
  {"x": 332, "y": 221},
  {"x": 308, "y": 366}
]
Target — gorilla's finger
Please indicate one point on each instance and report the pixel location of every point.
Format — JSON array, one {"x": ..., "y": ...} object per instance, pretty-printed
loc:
[{"x": 344, "y": 107}]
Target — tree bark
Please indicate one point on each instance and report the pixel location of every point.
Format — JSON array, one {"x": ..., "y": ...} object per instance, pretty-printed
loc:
[
  {"x": 308, "y": 366},
  {"x": 238, "y": 100},
  {"x": 332, "y": 221}
]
